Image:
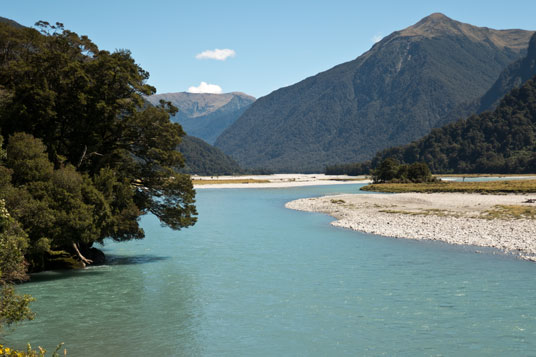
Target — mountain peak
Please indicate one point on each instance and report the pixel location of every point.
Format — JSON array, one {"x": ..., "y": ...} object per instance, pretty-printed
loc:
[
  {"x": 433, "y": 25},
  {"x": 439, "y": 25},
  {"x": 436, "y": 17}
]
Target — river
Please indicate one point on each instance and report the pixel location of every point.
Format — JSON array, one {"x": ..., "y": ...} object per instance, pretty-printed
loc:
[{"x": 253, "y": 278}]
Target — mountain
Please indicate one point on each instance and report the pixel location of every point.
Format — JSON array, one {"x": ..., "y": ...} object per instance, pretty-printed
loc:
[
  {"x": 394, "y": 93},
  {"x": 10, "y": 22},
  {"x": 512, "y": 77},
  {"x": 206, "y": 115},
  {"x": 204, "y": 159},
  {"x": 499, "y": 141}
]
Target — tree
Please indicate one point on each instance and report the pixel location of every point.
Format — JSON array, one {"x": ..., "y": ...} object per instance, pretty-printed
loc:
[
  {"x": 386, "y": 171},
  {"x": 87, "y": 156},
  {"x": 419, "y": 172},
  {"x": 13, "y": 307},
  {"x": 389, "y": 170}
]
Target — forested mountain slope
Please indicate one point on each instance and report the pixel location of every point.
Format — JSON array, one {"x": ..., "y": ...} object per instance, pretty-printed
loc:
[
  {"x": 204, "y": 159},
  {"x": 512, "y": 77},
  {"x": 499, "y": 141},
  {"x": 205, "y": 115},
  {"x": 395, "y": 93}
]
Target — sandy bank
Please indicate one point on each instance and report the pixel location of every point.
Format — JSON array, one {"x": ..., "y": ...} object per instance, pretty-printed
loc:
[
  {"x": 276, "y": 181},
  {"x": 450, "y": 217}
]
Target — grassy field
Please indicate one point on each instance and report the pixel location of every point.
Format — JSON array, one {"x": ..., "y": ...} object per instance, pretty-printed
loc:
[
  {"x": 220, "y": 182},
  {"x": 513, "y": 186},
  {"x": 481, "y": 175}
]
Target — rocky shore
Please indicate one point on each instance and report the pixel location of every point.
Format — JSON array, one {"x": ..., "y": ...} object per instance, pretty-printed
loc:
[{"x": 455, "y": 218}]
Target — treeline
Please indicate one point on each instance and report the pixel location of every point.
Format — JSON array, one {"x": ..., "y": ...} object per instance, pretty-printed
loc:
[
  {"x": 83, "y": 156},
  {"x": 351, "y": 169}
]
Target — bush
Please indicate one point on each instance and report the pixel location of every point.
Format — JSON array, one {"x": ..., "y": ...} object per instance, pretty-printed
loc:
[{"x": 390, "y": 170}]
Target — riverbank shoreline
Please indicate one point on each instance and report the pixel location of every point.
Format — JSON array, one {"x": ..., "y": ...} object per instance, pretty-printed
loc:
[
  {"x": 274, "y": 181},
  {"x": 454, "y": 218}
]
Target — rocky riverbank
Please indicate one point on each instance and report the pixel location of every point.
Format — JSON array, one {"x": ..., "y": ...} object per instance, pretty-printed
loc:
[{"x": 499, "y": 221}]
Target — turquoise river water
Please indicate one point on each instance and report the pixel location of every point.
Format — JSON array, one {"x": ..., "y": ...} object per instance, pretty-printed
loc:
[{"x": 255, "y": 279}]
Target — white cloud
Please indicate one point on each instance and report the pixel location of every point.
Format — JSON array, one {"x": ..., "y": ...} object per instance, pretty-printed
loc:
[
  {"x": 204, "y": 87},
  {"x": 377, "y": 38},
  {"x": 217, "y": 54}
]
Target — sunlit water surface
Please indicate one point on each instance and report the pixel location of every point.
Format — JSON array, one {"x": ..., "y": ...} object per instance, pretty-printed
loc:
[{"x": 253, "y": 278}]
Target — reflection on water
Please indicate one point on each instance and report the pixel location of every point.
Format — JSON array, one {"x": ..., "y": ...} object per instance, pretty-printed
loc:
[{"x": 252, "y": 278}]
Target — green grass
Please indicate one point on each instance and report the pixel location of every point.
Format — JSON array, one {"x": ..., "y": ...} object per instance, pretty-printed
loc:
[{"x": 513, "y": 186}]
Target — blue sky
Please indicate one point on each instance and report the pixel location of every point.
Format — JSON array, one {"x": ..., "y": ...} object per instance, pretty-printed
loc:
[{"x": 276, "y": 43}]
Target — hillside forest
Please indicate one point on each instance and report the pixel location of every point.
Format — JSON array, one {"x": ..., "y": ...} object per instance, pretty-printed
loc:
[{"x": 499, "y": 141}]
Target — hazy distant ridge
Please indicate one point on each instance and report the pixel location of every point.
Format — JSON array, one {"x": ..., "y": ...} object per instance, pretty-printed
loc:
[{"x": 206, "y": 115}]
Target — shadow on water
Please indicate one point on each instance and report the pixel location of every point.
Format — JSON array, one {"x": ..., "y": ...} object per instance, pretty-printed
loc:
[
  {"x": 52, "y": 275},
  {"x": 111, "y": 260},
  {"x": 133, "y": 259}
]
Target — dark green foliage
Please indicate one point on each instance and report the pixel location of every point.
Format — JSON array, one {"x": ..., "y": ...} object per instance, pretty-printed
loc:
[
  {"x": 56, "y": 207},
  {"x": 13, "y": 245},
  {"x": 85, "y": 156},
  {"x": 204, "y": 159},
  {"x": 393, "y": 94},
  {"x": 205, "y": 115},
  {"x": 389, "y": 170},
  {"x": 501, "y": 141},
  {"x": 417, "y": 172}
]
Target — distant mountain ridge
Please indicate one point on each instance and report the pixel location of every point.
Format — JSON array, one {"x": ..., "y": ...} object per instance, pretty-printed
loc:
[
  {"x": 206, "y": 115},
  {"x": 396, "y": 92}
]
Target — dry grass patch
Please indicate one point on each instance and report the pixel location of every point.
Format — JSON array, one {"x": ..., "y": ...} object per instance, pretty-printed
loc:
[
  {"x": 338, "y": 201},
  {"x": 482, "y": 175},
  {"x": 423, "y": 212},
  {"x": 510, "y": 212},
  {"x": 511, "y": 186}
]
